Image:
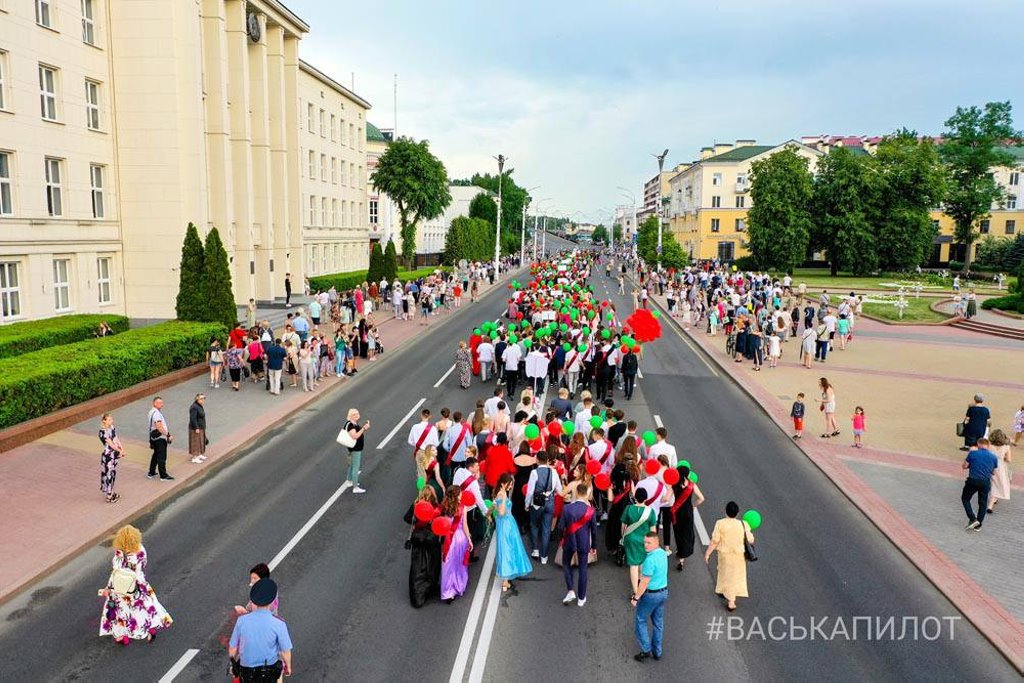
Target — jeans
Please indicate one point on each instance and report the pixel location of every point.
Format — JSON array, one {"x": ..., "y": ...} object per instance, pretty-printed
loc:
[
  {"x": 540, "y": 527},
  {"x": 339, "y": 363},
  {"x": 820, "y": 349},
  {"x": 629, "y": 381},
  {"x": 651, "y": 606},
  {"x": 159, "y": 458},
  {"x": 274, "y": 377},
  {"x": 982, "y": 488},
  {"x": 355, "y": 459}
]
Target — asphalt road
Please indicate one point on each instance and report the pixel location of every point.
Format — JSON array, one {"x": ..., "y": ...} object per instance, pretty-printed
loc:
[{"x": 344, "y": 585}]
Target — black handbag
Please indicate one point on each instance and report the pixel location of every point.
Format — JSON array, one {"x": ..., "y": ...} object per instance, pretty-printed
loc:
[
  {"x": 620, "y": 556},
  {"x": 748, "y": 548},
  {"x": 960, "y": 426}
]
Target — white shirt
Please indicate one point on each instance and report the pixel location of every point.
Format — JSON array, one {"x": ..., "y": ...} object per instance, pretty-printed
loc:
[
  {"x": 485, "y": 352},
  {"x": 461, "y": 475},
  {"x": 511, "y": 356},
  {"x": 663, "y": 448},
  {"x": 555, "y": 485},
  {"x": 491, "y": 406},
  {"x": 650, "y": 485},
  {"x": 582, "y": 421},
  {"x": 417, "y": 431},
  {"x": 598, "y": 449},
  {"x": 830, "y": 322}
]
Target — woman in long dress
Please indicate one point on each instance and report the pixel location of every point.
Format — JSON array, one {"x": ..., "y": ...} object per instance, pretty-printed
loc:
[
  {"x": 113, "y": 451},
  {"x": 512, "y": 559},
  {"x": 464, "y": 365},
  {"x": 637, "y": 521},
  {"x": 455, "y": 548},
  {"x": 624, "y": 476},
  {"x": 727, "y": 539},
  {"x": 1001, "y": 475},
  {"x": 525, "y": 462},
  {"x": 425, "y": 551},
  {"x": 135, "y": 614},
  {"x": 687, "y": 496}
]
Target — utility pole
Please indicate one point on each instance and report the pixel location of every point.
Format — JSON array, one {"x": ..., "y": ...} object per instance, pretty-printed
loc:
[
  {"x": 522, "y": 239},
  {"x": 658, "y": 209},
  {"x": 497, "y": 233}
]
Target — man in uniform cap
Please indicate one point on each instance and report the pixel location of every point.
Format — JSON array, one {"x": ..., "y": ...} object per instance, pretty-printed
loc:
[{"x": 260, "y": 641}]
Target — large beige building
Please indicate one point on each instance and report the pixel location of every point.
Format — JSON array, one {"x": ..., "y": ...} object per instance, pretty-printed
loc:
[{"x": 122, "y": 121}]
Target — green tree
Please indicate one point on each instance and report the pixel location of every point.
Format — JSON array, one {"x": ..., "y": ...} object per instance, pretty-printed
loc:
[
  {"x": 600, "y": 235},
  {"x": 779, "y": 222},
  {"x": 617, "y": 232},
  {"x": 513, "y": 198},
  {"x": 376, "y": 269},
  {"x": 909, "y": 181},
  {"x": 191, "y": 302},
  {"x": 974, "y": 144},
  {"x": 417, "y": 182},
  {"x": 483, "y": 206},
  {"x": 672, "y": 254},
  {"x": 390, "y": 261},
  {"x": 220, "y": 299},
  {"x": 456, "y": 246},
  {"x": 840, "y": 212}
]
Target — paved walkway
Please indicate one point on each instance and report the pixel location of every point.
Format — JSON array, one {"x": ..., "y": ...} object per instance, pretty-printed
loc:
[
  {"x": 50, "y": 498},
  {"x": 985, "y": 316}
]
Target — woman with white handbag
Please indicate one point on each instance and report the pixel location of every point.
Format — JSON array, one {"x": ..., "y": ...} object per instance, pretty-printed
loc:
[
  {"x": 351, "y": 437},
  {"x": 131, "y": 610}
]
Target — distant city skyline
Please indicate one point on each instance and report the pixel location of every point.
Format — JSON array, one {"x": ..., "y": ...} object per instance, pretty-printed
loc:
[{"x": 580, "y": 95}]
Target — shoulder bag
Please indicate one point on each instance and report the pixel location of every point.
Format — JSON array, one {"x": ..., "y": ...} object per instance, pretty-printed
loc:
[
  {"x": 344, "y": 438},
  {"x": 123, "y": 581},
  {"x": 748, "y": 548}
]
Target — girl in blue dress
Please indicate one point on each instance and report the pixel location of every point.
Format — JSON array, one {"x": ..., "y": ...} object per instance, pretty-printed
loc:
[{"x": 513, "y": 560}]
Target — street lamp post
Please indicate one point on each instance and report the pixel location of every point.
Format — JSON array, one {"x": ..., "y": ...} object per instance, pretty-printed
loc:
[
  {"x": 659, "y": 208},
  {"x": 497, "y": 233},
  {"x": 522, "y": 234}
]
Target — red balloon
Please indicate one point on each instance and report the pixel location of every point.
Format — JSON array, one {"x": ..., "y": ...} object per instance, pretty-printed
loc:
[
  {"x": 671, "y": 477},
  {"x": 537, "y": 444},
  {"x": 555, "y": 428},
  {"x": 525, "y": 487},
  {"x": 602, "y": 481},
  {"x": 593, "y": 467},
  {"x": 424, "y": 511},
  {"x": 441, "y": 526},
  {"x": 560, "y": 468},
  {"x": 652, "y": 466},
  {"x": 468, "y": 498},
  {"x": 624, "y": 349}
]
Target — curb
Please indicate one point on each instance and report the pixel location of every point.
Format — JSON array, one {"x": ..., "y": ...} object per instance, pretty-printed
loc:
[{"x": 977, "y": 606}]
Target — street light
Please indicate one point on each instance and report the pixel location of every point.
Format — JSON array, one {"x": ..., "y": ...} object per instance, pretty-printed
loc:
[
  {"x": 632, "y": 198},
  {"x": 497, "y": 233},
  {"x": 522, "y": 233},
  {"x": 658, "y": 209},
  {"x": 535, "y": 217}
]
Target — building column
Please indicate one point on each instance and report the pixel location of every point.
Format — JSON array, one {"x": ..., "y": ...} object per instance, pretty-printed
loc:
[
  {"x": 275, "y": 248},
  {"x": 260, "y": 86},
  {"x": 240, "y": 238},
  {"x": 295, "y": 262}
]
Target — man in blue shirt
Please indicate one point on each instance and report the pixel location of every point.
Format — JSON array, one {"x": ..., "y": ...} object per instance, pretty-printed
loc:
[
  {"x": 260, "y": 641},
  {"x": 650, "y": 598},
  {"x": 275, "y": 356},
  {"x": 980, "y": 464},
  {"x": 301, "y": 327}
]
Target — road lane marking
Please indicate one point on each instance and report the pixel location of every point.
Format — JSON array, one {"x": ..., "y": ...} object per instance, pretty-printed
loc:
[
  {"x": 702, "y": 531},
  {"x": 462, "y": 657},
  {"x": 290, "y": 545},
  {"x": 179, "y": 666},
  {"x": 639, "y": 373},
  {"x": 483, "y": 646},
  {"x": 398, "y": 426},
  {"x": 443, "y": 377},
  {"x": 657, "y": 421}
]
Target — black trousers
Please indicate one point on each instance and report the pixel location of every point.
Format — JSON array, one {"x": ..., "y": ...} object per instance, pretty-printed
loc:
[
  {"x": 511, "y": 377},
  {"x": 982, "y": 488},
  {"x": 159, "y": 457},
  {"x": 628, "y": 383}
]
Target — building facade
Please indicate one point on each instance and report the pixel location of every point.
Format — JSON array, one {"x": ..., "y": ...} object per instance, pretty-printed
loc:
[
  {"x": 333, "y": 181},
  {"x": 382, "y": 214},
  {"x": 431, "y": 234}
]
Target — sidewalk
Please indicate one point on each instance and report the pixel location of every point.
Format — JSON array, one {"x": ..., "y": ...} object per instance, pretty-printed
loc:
[
  {"x": 985, "y": 316},
  {"x": 907, "y": 479},
  {"x": 51, "y": 504}
]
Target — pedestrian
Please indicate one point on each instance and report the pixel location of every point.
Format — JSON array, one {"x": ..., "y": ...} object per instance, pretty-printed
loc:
[
  {"x": 275, "y": 356},
  {"x": 197, "y": 429},
  {"x": 113, "y": 451},
  {"x": 288, "y": 290},
  {"x": 260, "y": 571},
  {"x": 456, "y": 547},
  {"x": 355, "y": 452},
  {"x": 159, "y": 438},
  {"x": 260, "y": 641},
  {"x": 255, "y": 351},
  {"x": 638, "y": 520},
  {"x": 1001, "y": 477},
  {"x": 728, "y": 538},
  {"x": 541, "y": 488},
  {"x": 131, "y": 610},
  {"x": 578, "y": 527},
  {"x": 980, "y": 463},
  {"x": 425, "y": 549},
  {"x": 510, "y": 358},
  {"x": 235, "y": 361},
  {"x": 687, "y": 497},
  {"x": 797, "y": 413},
  {"x": 512, "y": 562},
  {"x": 807, "y": 346},
  {"x": 215, "y": 359},
  {"x": 305, "y": 358},
  {"x": 250, "y": 314},
  {"x": 774, "y": 350},
  {"x": 827, "y": 407},
  {"x": 630, "y": 368},
  {"x": 1018, "y": 426},
  {"x": 976, "y": 422},
  {"x": 463, "y": 365},
  {"x": 859, "y": 426},
  {"x": 649, "y": 599},
  {"x": 467, "y": 478}
]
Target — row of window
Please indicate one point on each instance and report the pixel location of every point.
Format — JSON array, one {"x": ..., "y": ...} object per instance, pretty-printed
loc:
[
  {"x": 352, "y": 177},
  {"x": 351, "y": 136},
  {"x": 328, "y": 258},
  {"x": 53, "y": 186},
  {"x": 50, "y": 101},
  {"x": 717, "y": 179},
  {"x": 740, "y": 225},
  {"x": 10, "y": 285},
  {"x": 46, "y": 16},
  {"x": 1009, "y": 227},
  {"x": 328, "y": 212},
  {"x": 741, "y": 201}
]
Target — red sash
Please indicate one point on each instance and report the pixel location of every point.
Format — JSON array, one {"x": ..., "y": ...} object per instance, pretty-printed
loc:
[
  {"x": 568, "y": 364},
  {"x": 606, "y": 453},
  {"x": 446, "y": 546},
  {"x": 458, "y": 442},
  {"x": 681, "y": 499},
  {"x": 578, "y": 524},
  {"x": 423, "y": 437},
  {"x": 622, "y": 494}
]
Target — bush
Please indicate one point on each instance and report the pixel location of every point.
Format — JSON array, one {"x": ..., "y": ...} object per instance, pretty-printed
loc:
[
  {"x": 41, "y": 382},
  {"x": 34, "y": 335},
  {"x": 345, "y": 281},
  {"x": 1011, "y": 303}
]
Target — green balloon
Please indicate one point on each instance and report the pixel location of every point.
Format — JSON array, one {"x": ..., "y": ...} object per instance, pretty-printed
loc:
[
  {"x": 476, "y": 331},
  {"x": 753, "y": 518},
  {"x": 596, "y": 421},
  {"x": 513, "y": 325},
  {"x": 591, "y": 313},
  {"x": 656, "y": 314},
  {"x": 567, "y": 347},
  {"x": 574, "y": 314},
  {"x": 494, "y": 335},
  {"x": 527, "y": 342},
  {"x": 512, "y": 339},
  {"x": 531, "y": 432},
  {"x": 586, "y": 331},
  {"x": 581, "y": 348},
  {"x": 605, "y": 334},
  {"x": 610, "y": 315},
  {"x": 683, "y": 463},
  {"x": 564, "y": 327},
  {"x": 489, "y": 503},
  {"x": 568, "y": 427},
  {"x": 649, "y": 438},
  {"x": 693, "y": 476},
  {"x": 420, "y": 482},
  {"x": 627, "y": 340}
]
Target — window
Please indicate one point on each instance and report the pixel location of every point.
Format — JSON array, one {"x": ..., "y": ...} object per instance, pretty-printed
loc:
[
  {"x": 323, "y": 127},
  {"x": 48, "y": 92},
  {"x": 362, "y": 178},
  {"x": 337, "y": 261},
  {"x": 1014, "y": 176},
  {"x": 360, "y": 137},
  {"x": 334, "y": 170},
  {"x": 716, "y": 179},
  {"x": 352, "y": 215},
  {"x": 54, "y": 205},
  {"x": 1011, "y": 227},
  {"x": 43, "y": 17},
  {"x": 6, "y": 198},
  {"x": 103, "y": 279},
  {"x": 352, "y": 134},
  {"x": 352, "y": 174},
  {"x": 323, "y": 263},
  {"x": 96, "y": 186},
  {"x": 716, "y": 225},
  {"x": 309, "y": 117},
  {"x": 3, "y": 80},
  {"x": 61, "y": 284},
  {"x": 362, "y": 212},
  {"x": 716, "y": 202},
  {"x": 341, "y": 130},
  {"x": 344, "y": 212},
  {"x": 10, "y": 291},
  {"x": 373, "y": 211},
  {"x": 334, "y": 128},
  {"x": 1011, "y": 201},
  {"x": 344, "y": 175},
  {"x": 323, "y": 212},
  {"x": 312, "y": 259},
  {"x": 741, "y": 225},
  {"x": 312, "y": 165},
  {"x": 334, "y": 212},
  {"x": 323, "y": 167},
  {"x": 983, "y": 227},
  {"x": 312, "y": 210},
  {"x": 88, "y": 22},
  {"x": 741, "y": 202},
  {"x": 726, "y": 251},
  {"x": 741, "y": 180},
  {"x": 92, "y": 105}
]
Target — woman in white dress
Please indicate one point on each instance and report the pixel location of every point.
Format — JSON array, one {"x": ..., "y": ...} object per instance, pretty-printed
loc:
[{"x": 1001, "y": 476}]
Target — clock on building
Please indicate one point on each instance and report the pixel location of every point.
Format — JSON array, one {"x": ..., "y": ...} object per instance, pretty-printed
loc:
[{"x": 252, "y": 23}]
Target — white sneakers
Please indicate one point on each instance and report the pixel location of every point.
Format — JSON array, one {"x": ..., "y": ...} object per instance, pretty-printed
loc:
[
  {"x": 544, "y": 560},
  {"x": 581, "y": 602},
  {"x": 535, "y": 553},
  {"x": 358, "y": 489},
  {"x": 569, "y": 597},
  {"x": 199, "y": 459}
]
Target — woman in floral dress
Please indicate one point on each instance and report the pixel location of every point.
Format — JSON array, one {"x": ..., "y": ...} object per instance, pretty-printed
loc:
[
  {"x": 113, "y": 451},
  {"x": 137, "y": 615},
  {"x": 464, "y": 364}
]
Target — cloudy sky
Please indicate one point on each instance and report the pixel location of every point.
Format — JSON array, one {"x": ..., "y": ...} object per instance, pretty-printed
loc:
[{"x": 579, "y": 94}]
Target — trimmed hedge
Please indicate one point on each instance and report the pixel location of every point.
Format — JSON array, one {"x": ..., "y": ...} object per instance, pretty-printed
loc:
[
  {"x": 344, "y": 281},
  {"x": 1011, "y": 303},
  {"x": 33, "y": 335},
  {"x": 41, "y": 382}
]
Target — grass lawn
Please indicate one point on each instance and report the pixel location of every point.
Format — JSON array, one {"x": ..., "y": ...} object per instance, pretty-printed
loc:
[
  {"x": 845, "y": 282},
  {"x": 917, "y": 310}
]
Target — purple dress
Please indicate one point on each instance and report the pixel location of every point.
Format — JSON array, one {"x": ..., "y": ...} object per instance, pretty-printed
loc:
[{"x": 454, "y": 572}]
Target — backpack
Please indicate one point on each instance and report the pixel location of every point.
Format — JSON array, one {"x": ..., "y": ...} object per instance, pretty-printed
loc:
[{"x": 123, "y": 581}]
